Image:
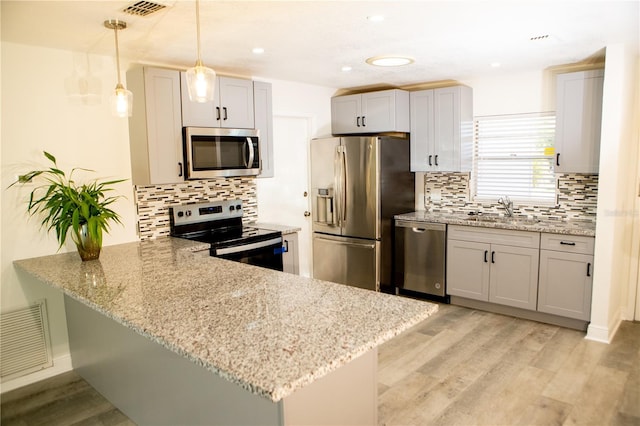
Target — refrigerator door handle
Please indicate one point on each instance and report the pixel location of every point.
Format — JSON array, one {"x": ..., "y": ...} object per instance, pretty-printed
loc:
[
  {"x": 347, "y": 243},
  {"x": 337, "y": 185},
  {"x": 344, "y": 185}
]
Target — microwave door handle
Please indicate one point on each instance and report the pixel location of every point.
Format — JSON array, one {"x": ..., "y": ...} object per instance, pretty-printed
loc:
[{"x": 251, "y": 153}]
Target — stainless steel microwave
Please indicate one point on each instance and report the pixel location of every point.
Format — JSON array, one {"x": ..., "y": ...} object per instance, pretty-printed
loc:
[{"x": 211, "y": 152}]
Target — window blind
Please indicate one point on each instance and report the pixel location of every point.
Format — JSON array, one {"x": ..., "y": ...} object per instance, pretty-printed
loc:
[{"x": 513, "y": 155}]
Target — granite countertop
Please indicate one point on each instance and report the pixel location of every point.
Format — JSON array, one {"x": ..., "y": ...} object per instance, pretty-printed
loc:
[
  {"x": 268, "y": 331},
  {"x": 569, "y": 227},
  {"x": 275, "y": 227}
]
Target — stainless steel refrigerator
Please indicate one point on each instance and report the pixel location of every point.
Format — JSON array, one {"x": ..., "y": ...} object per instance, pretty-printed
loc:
[{"x": 358, "y": 184}]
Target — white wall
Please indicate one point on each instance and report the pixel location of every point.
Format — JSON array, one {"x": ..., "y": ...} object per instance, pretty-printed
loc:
[
  {"x": 37, "y": 116},
  {"x": 617, "y": 194}
]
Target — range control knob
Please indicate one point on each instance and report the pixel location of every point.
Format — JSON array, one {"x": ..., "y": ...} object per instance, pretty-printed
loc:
[
  {"x": 238, "y": 207},
  {"x": 180, "y": 214},
  {"x": 232, "y": 208},
  {"x": 188, "y": 213}
]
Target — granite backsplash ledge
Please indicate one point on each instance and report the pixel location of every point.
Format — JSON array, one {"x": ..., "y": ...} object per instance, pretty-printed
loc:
[
  {"x": 576, "y": 196},
  {"x": 153, "y": 202}
]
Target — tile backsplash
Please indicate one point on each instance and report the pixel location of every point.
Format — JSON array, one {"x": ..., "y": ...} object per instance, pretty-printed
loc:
[
  {"x": 153, "y": 202},
  {"x": 576, "y": 196}
]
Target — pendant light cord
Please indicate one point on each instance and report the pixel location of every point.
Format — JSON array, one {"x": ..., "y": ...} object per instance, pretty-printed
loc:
[
  {"x": 198, "y": 30},
  {"x": 117, "y": 55}
]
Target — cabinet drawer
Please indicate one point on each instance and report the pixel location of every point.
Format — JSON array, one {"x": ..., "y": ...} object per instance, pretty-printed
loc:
[
  {"x": 494, "y": 236},
  {"x": 567, "y": 243}
]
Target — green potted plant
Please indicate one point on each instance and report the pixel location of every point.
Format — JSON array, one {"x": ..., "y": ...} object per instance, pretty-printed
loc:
[{"x": 68, "y": 206}]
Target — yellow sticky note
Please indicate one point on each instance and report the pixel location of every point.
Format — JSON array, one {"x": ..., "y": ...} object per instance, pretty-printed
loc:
[{"x": 549, "y": 151}]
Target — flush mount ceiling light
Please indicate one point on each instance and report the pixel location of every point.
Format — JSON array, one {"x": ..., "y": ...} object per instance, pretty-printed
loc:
[
  {"x": 375, "y": 18},
  {"x": 390, "y": 61},
  {"x": 122, "y": 99},
  {"x": 258, "y": 50},
  {"x": 200, "y": 79},
  {"x": 346, "y": 68}
]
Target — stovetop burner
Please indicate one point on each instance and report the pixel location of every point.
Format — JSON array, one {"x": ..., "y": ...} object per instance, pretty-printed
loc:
[{"x": 218, "y": 223}]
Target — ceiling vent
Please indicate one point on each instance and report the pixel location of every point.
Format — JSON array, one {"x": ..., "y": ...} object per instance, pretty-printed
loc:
[{"x": 143, "y": 8}]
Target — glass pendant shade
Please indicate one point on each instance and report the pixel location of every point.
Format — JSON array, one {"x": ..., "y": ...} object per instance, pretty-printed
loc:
[
  {"x": 122, "y": 99},
  {"x": 122, "y": 102},
  {"x": 201, "y": 82}
]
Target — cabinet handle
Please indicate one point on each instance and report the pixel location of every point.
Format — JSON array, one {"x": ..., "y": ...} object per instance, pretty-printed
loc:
[
  {"x": 358, "y": 121},
  {"x": 179, "y": 169},
  {"x": 436, "y": 158},
  {"x": 430, "y": 160},
  {"x": 558, "y": 159},
  {"x": 486, "y": 252},
  {"x": 589, "y": 269},
  {"x": 493, "y": 255},
  {"x": 567, "y": 243},
  {"x": 364, "y": 124},
  {"x": 224, "y": 109},
  {"x": 218, "y": 113},
  {"x": 285, "y": 247}
]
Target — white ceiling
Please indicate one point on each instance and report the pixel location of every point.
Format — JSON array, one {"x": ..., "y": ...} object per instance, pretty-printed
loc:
[{"x": 310, "y": 41}]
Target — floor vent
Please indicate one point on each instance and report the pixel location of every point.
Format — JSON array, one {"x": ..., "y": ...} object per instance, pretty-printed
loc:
[
  {"x": 24, "y": 341},
  {"x": 143, "y": 8}
]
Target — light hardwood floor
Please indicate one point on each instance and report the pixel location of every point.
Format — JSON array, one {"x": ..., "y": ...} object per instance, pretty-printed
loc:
[{"x": 459, "y": 367}]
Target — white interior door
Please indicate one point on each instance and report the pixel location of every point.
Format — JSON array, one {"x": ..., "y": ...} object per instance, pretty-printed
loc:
[{"x": 281, "y": 198}]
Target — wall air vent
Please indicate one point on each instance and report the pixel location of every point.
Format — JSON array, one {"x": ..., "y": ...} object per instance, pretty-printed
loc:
[
  {"x": 143, "y": 8},
  {"x": 539, "y": 37}
]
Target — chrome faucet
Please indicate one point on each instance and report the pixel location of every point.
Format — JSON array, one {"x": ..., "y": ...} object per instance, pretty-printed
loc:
[{"x": 507, "y": 204}]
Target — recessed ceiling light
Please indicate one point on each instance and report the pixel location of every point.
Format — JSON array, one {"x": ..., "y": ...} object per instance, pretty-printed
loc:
[
  {"x": 258, "y": 50},
  {"x": 375, "y": 18},
  {"x": 346, "y": 68},
  {"x": 390, "y": 61},
  {"x": 495, "y": 64}
]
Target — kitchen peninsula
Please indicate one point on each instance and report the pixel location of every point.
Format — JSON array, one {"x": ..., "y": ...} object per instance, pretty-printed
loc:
[{"x": 173, "y": 336}]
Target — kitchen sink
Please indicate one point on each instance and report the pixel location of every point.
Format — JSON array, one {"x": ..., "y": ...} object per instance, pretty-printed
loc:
[{"x": 502, "y": 219}]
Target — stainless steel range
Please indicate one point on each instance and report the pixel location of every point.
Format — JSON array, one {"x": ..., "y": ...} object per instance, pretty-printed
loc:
[{"x": 220, "y": 225}]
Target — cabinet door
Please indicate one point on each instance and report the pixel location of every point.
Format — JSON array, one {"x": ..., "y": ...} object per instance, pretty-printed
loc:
[
  {"x": 199, "y": 114},
  {"x": 264, "y": 124},
  {"x": 468, "y": 269},
  {"x": 290, "y": 256},
  {"x": 447, "y": 129},
  {"x": 236, "y": 102},
  {"x": 565, "y": 284},
  {"x": 422, "y": 131},
  {"x": 514, "y": 276},
  {"x": 345, "y": 114},
  {"x": 578, "y": 121},
  {"x": 385, "y": 111},
  {"x": 164, "y": 125}
]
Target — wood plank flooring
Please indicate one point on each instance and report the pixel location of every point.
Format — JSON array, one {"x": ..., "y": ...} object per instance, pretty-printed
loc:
[{"x": 459, "y": 367}]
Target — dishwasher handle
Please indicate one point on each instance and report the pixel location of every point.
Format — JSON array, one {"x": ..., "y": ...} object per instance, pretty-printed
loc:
[{"x": 420, "y": 227}]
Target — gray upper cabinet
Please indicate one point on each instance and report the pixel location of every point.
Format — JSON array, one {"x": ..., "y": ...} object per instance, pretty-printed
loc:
[
  {"x": 578, "y": 121},
  {"x": 155, "y": 127},
  {"x": 566, "y": 275},
  {"x": 232, "y": 107},
  {"x": 264, "y": 123},
  {"x": 372, "y": 112},
  {"x": 441, "y": 129}
]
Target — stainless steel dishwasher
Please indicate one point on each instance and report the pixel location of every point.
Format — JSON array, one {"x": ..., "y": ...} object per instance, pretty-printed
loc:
[{"x": 420, "y": 250}]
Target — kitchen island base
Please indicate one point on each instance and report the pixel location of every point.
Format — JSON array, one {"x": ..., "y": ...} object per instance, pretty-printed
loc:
[{"x": 153, "y": 385}]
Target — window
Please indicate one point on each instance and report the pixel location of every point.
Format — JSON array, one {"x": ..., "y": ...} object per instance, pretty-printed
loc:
[{"x": 513, "y": 155}]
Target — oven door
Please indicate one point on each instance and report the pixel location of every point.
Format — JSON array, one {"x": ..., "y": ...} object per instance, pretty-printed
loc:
[{"x": 267, "y": 254}]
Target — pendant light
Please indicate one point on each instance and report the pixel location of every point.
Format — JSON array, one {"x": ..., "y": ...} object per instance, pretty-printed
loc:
[
  {"x": 200, "y": 79},
  {"x": 122, "y": 99}
]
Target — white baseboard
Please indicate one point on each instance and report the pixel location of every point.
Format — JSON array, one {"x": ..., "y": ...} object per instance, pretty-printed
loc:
[
  {"x": 61, "y": 365},
  {"x": 605, "y": 334}
]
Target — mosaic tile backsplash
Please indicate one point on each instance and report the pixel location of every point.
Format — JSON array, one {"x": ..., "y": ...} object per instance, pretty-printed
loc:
[
  {"x": 153, "y": 201},
  {"x": 576, "y": 196}
]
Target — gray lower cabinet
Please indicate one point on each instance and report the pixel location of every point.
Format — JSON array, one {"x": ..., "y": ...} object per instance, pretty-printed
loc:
[
  {"x": 493, "y": 265},
  {"x": 290, "y": 259},
  {"x": 566, "y": 276}
]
